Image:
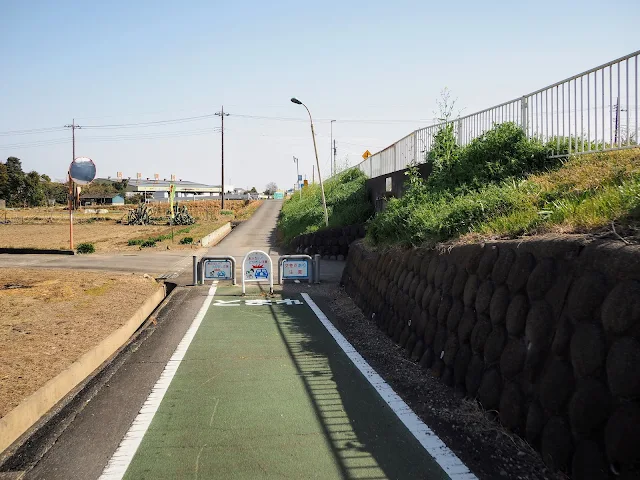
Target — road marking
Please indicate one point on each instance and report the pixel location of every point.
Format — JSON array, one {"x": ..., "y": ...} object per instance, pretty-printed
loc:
[
  {"x": 119, "y": 462},
  {"x": 198, "y": 460},
  {"x": 215, "y": 408},
  {"x": 255, "y": 302},
  {"x": 448, "y": 461}
]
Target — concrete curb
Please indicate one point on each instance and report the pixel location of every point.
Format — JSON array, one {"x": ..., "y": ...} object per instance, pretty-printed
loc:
[
  {"x": 19, "y": 420},
  {"x": 216, "y": 236},
  {"x": 35, "y": 251}
]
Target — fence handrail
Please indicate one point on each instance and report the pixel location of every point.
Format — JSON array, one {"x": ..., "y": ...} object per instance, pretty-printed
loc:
[
  {"x": 587, "y": 72},
  {"x": 531, "y": 111}
]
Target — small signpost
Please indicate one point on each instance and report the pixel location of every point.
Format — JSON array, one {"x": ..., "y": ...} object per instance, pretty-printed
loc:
[
  {"x": 257, "y": 267},
  {"x": 366, "y": 154}
]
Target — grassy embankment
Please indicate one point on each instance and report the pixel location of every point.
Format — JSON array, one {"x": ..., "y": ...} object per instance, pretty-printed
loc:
[
  {"x": 347, "y": 204},
  {"x": 503, "y": 185}
]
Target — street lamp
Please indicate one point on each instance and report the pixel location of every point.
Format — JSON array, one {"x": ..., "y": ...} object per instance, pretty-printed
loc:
[{"x": 313, "y": 135}]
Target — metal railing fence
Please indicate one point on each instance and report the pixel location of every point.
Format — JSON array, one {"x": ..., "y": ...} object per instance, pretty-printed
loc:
[{"x": 593, "y": 111}]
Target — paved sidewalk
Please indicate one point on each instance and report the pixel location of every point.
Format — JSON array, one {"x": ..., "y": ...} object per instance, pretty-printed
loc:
[{"x": 265, "y": 392}]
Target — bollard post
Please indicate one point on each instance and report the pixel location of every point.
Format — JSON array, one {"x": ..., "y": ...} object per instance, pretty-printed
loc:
[
  {"x": 316, "y": 267},
  {"x": 195, "y": 270}
]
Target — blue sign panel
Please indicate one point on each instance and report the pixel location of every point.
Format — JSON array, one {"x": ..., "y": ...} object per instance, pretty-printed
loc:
[
  {"x": 217, "y": 270},
  {"x": 295, "y": 269}
]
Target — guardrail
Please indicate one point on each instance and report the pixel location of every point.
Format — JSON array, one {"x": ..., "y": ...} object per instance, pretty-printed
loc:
[{"x": 593, "y": 111}]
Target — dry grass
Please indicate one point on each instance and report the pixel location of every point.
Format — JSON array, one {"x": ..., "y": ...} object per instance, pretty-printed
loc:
[
  {"x": 590, "y": 172},
  {"x": 50, "y": 318},
  {"x": 597, "y": 195},
  {"x": 46, "y": 228},
  {"x": 106, "y": 236}
]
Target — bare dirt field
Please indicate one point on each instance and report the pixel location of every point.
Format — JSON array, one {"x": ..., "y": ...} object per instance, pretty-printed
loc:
[
  {"x": 106, "y": 236},
  {"x": 49, "y": 229},
  {"x": 49, "y": 318}
]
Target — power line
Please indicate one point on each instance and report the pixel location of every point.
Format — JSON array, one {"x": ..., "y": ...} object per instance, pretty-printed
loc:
[
  {"x": 346, "y": 120},
  {"x": 151, "y": 135},
  {"x": 32, "y": 131},
  {"x": 41, "y": 143},
  {"x": 151, "y": 124}
]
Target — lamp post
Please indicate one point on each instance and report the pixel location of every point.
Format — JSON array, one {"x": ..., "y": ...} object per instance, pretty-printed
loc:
[
  {"x": 295, "y": 160},
  {"x": 313, "y": 135}
]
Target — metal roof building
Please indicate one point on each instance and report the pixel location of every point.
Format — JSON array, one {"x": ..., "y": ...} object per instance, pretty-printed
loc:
[{"x": 182, "y": 186}]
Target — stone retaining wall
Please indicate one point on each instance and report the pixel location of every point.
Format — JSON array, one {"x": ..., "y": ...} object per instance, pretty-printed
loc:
[
  {"x": 331, "y": 243},
  {"x": 544, "y": 332}
]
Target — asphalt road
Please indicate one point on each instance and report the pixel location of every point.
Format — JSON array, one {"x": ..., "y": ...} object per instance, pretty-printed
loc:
[
  {"x": 262, "y": 391},
  {"x": 166, "y": 263}
]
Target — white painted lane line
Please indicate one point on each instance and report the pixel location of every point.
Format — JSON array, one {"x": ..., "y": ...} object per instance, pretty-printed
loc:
[
  {"x": 448, "y": 461},
  {"x": 119, "y": 462}
]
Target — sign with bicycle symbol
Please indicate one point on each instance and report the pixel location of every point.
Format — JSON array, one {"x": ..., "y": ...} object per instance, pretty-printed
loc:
[
  {"x": 257, "y": 267},
  {"x": 218, "y": 270}
]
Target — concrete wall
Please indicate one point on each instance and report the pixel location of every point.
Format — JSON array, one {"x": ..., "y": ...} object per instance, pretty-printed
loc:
[
  {"x": 545, "y": 332},
  {"x": 332, "y": 243},
  {"x": 377, "y": 187}
]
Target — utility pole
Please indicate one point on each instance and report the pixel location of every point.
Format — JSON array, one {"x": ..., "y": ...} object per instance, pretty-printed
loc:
[
  {"x": 330, "y": 154},
  {"x": 221, "y": 114},
  {"x": 313, "y": 173},
  {"x": 295, "y": 160},
  {"x": 72, "y": 189},
  {"x": 334, "y": 158}
]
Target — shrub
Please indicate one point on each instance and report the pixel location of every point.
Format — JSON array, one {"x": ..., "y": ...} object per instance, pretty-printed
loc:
[
  {"x": 435, "y": 218},
  {"x": 502, "y": 153},
  {"x": 148, "y": 243},
  {"x": 86, "y": 248},
  {"x": 226, "y": 212},
  {"x": 136, "y": 241},
  {"x": 186, "y": 241}
]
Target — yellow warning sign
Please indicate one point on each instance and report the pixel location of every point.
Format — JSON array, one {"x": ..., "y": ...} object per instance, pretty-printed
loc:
[{"x": 366, "y": 154}]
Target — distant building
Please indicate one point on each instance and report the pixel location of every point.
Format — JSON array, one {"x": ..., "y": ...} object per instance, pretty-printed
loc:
[
  {"x": 86, "y": 200},
  {"x": 159, "y": 189}
]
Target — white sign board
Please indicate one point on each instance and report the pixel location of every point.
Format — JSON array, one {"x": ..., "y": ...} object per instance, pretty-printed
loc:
[
  {"x": 295, "y": 269},
  {"x": 218, "y": 270},
  {"x": 257, "y": 267}
]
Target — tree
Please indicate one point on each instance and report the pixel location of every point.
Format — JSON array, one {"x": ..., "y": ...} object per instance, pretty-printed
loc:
[
  {"x": 271, "y": 188},
  {"x": 253, "y": 190},
  {"x": 15, "y": 181},
  {"x": 33, "y": 194},
  {"x": 98, "y": 188},
  {"x": 54, "y": 191},
  {"x": 121, "y": 186},
  {"x": 4, "y": 182}
]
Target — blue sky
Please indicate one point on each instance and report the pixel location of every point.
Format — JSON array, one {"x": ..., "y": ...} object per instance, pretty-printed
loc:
[{"x": 376, "y": 67}]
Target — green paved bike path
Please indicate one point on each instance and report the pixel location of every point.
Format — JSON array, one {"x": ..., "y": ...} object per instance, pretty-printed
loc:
[{"x": 265, "y": 392}]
